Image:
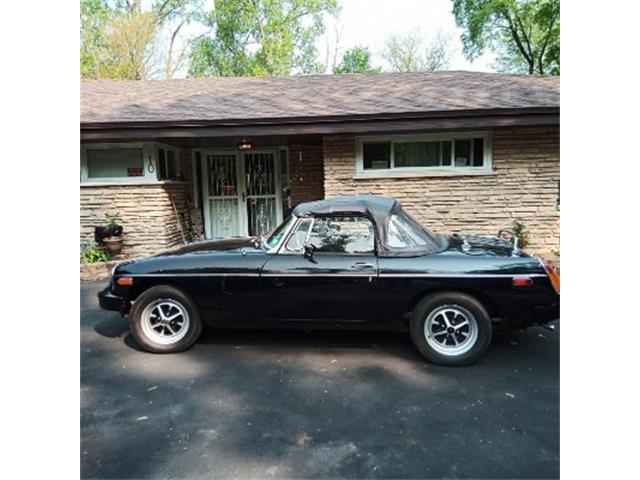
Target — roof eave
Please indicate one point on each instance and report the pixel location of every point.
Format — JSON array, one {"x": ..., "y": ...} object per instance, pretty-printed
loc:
[{"x": 409, "y": 121}]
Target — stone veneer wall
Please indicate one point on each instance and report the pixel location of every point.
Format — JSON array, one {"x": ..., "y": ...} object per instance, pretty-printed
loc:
[
  {"x": 524, "y": 186},
  {"x": 306, "y": 173},
  {"x": 154, "y": 216}
]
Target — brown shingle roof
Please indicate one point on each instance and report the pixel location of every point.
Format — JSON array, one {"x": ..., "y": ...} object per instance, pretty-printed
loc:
[{"x": 236, "y": 98}]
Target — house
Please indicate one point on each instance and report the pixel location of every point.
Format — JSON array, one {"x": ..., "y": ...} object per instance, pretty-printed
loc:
[{"x": 197, "y": 158}]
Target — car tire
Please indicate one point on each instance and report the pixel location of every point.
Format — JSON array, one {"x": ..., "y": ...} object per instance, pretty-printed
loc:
[
  {"x": 439, "y": 331},
  {"x": 165, "y": 320}
]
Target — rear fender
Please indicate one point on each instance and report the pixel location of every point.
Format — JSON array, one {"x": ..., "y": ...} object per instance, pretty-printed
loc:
[{"x": 482, "y": 297}]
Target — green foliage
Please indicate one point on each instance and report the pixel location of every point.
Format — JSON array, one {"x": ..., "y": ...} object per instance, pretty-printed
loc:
[
  {"x": 94, "y": 254},
  {"x": 260, "y": 37},
  {"x": 94, "y": 16},
  {"x": 112, "y": 219},
  {"x": 120, "y": 39},
  {"x": 356, "y": 60},
  {"x": 519, "y": 230},
  {"x": 525, "y": 34},
  {"x": 408, "y": 52},
  {"x": 116, "y": 38}
]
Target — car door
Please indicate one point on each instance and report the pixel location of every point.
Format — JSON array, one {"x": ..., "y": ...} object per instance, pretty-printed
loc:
[{"x": 336, "y": 284}]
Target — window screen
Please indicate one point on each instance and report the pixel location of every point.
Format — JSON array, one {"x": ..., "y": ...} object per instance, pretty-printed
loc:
[
  {"x": 418, "y": 154},
  {"x": 114, "y": 162}
]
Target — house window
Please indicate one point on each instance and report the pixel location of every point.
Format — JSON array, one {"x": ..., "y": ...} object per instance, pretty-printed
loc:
[
  {"x": 128, "y": 163},
  {"x": 424, "y": 153},
  {"x": 377, "y": 155},
  {"x": 114, "y": 163},
  {"x": 168, "y": 165}
]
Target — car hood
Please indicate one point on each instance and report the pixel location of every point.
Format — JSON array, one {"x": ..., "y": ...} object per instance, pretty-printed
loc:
[
  {"x": 226, "y": 245},
  {"x": 471, "y": 244},
  {"x": 211, "y": 256}
]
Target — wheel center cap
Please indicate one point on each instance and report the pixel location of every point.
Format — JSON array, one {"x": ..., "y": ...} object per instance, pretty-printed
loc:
[{"x": 450, "y": 330}]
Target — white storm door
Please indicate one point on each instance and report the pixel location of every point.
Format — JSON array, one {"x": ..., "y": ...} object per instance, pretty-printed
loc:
[
  {"x": 224, "y": 215},
  {"x": 263, "y": 191}
]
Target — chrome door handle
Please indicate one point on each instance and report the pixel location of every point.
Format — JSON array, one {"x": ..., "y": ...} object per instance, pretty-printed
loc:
[{"x": 363, "y": 266}]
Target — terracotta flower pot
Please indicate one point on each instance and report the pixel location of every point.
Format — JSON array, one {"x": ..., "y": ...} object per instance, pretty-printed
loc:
[{"x": 113, "y": 244}]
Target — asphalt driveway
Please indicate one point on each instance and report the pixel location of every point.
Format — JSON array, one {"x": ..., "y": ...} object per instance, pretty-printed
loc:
[{"x": 313, "y": 405}]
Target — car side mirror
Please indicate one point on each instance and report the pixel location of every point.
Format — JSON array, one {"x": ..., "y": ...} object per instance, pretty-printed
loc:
[{"x": 308, "y": 251}]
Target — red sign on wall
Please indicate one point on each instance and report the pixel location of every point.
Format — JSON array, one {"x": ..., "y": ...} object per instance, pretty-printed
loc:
[{"x": 134, "y": 172}]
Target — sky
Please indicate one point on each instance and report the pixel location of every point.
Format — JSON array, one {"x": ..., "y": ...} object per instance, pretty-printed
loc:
[{"x": 370, "y": 22}]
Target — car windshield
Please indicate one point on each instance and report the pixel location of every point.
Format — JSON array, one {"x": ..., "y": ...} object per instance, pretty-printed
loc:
[
  {"x": 275, "y": 236},
  {"x": 404, "y": 232}
]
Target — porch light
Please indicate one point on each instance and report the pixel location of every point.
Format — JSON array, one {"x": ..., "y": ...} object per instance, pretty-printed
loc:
[{"x": 244, "y": 144}]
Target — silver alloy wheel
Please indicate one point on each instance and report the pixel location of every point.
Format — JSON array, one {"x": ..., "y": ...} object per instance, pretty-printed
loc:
[
  {"x": 451, "y": 330},
  {"x": 165, "y": 321}
]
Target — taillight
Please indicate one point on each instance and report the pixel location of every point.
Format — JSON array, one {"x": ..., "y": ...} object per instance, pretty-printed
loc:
[
  {"x": 552, "y": 274},
  {"x": 522, "y": 281}
]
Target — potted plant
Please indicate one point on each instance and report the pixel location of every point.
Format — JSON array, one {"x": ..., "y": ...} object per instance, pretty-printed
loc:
[
  {"x": 93, "y": 254},
  {"x": 110, "y": 236}
]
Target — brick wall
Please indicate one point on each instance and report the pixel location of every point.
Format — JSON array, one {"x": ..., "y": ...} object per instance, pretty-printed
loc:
[
  {"x": 154, "y": 217},
  {"x": 524, "y": 186},
  {"x": 305, "y": 173},
  {"x": 146, "y": 211}
]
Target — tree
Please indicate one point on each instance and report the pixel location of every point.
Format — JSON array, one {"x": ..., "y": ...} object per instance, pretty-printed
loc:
[
  {"x": 403, "y": 52},
  {"x": 438, "y": 53},
  {"x": 94, "y": 15},
  {"x": 119, "y": 39},
  {"x": 408, "y": 53},
  {"x": 172, "y": 16},
  {"x": 525, "y": 34},
  {"x": 356, "y": 60},
  {"x": 260, "y": 37},
  {"x": 125, "y": 51}
]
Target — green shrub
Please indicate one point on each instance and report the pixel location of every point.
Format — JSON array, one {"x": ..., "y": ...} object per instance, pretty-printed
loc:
[{"x": 93, "y": 255}]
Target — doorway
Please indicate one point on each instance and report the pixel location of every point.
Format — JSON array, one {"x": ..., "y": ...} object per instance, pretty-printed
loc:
[{"x": 242, "y": 192}]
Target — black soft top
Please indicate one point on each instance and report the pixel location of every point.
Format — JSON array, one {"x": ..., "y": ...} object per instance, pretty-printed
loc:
[{"x": 376, "y": 207}]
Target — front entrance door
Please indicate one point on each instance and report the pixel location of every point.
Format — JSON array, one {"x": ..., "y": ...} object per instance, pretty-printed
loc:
[
  {"x": 243, "y": 194},
  {"x": 262, "y": 192}
]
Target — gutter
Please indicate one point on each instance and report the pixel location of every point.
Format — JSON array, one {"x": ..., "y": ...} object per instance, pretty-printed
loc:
[{"x": 355, "y": 124}]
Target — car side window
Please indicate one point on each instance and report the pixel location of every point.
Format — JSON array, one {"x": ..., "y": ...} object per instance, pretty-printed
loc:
[
  {"x": 352, "y": 235},
  {"x": 299, "y": 237},
  {"x": 401, "y": 234}
]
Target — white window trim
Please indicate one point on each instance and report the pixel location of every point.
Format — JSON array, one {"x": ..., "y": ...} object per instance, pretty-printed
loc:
[
  {"x": 448, "y": 170},
  {"x": 149, "y": 164}
]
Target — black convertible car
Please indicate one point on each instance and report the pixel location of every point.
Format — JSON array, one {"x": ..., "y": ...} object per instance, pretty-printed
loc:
[{"x": 346, "y": 262}]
